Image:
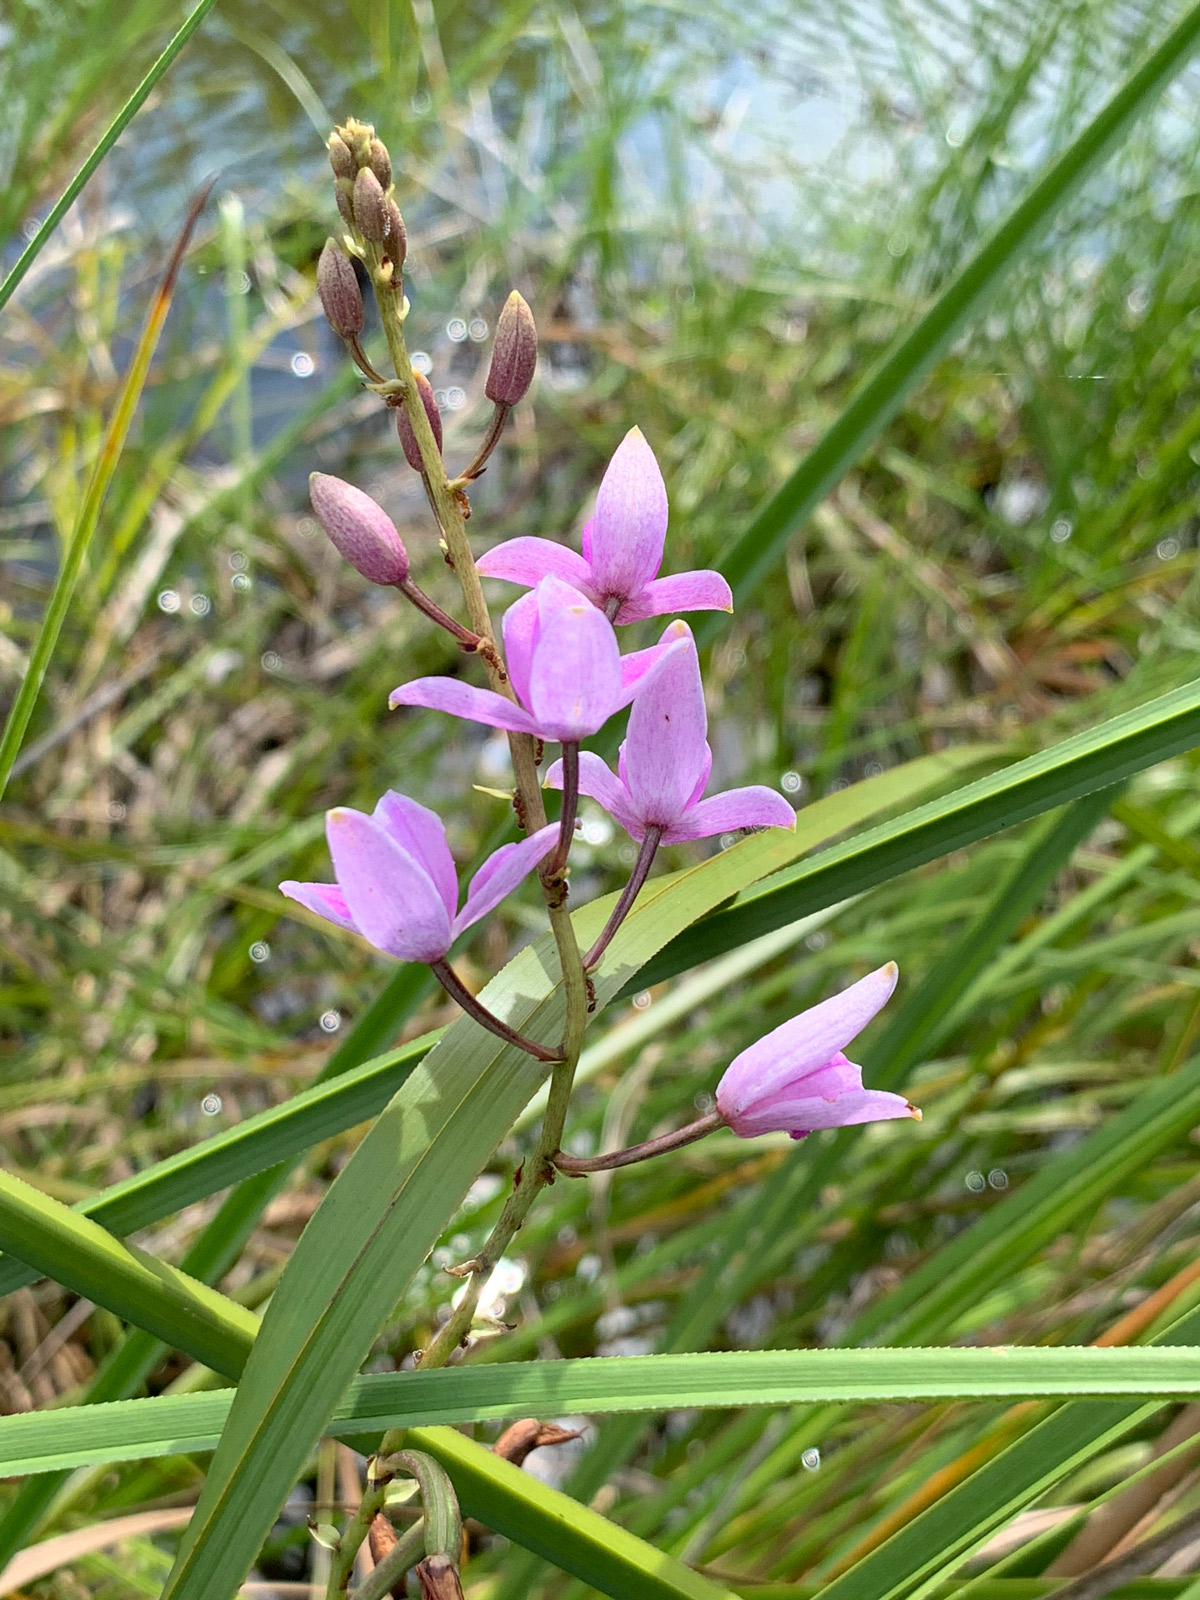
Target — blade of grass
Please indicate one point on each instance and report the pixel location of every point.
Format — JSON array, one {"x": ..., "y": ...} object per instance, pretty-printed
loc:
[
  {"x": 89, "y": 513},
  {"x": 75, "y": 1436},
  {"x": 110, "y": 136},
  {"x": 880, "y": 395}
]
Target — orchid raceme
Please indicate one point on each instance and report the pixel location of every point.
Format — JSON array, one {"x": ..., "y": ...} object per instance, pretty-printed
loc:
[
  {"x": 665, "y": 762},
  {"x": 396, "y": 881},
  {"x": 622, "y": 548},
  {"x": 796, "y": 1079},
  {"x": 564, "y": 663}
]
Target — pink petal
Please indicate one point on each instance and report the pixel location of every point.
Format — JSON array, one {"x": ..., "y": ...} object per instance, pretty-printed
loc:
[
  {"x": 701, "y": 778},
  {"x": 665, "y": 748},
  {"x": 630, "y": 522},
  {"x": 638, "y": 663},
  {"x": 753, "y": 807},
  {"x": 804, "y": 1044},
  {"x": 528, "y": 561},
  {"x": 392, "y": 899},
  {"x": 799, "y": 1116},
  {"x": 598, "y": 782},
  {"x": 520, "y": 627},
  {"x": 502, "y": 872},
  {"x": 701, "y": 590},
  {"x": 585, "y": 541},
  {"x": 421, "y": 832},
  {"x": 575, "y": 684},
  {"x": 326, "y": 899},
  {"x": 463, "y": 700}
]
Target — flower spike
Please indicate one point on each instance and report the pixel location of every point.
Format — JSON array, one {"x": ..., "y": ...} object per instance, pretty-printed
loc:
[{"x": 622, "y": 548}]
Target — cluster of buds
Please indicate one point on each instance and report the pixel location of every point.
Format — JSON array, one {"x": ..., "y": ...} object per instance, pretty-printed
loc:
[{"x": 377, "y": 237}]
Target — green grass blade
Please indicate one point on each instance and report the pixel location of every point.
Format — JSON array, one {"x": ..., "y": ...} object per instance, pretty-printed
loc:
[
  {"x": 110, "y": 136},
  {"x": 929, "y": 1298},
  {"x": 884, "y": 390},
  {"x": 159, "y": 1298},
  {"x": 1095, "y": 759},
  {"x": 75, "y": 1436},
  {"x": 89, "y": 511},
  {"x": 263, "y": 1140},
  {"x": 920, "y": 1022},
  {"x": 961, "y": 1521}
]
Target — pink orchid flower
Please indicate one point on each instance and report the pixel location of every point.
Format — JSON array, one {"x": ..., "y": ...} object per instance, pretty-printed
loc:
[
  {"x": 665, "y": 762},
  {"x": 396, "y": 881},
  {"x": 796, "y": 1079},
  {"x": 564, "y": 663},
  {"x": 622, "y": 548}
]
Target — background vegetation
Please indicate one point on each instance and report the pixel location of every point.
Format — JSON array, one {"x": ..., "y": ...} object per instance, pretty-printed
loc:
[{"x": 720, "y": 221}]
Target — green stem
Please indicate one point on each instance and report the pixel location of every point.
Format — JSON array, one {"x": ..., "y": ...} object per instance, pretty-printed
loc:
[{"x": 405, "y": 1553}]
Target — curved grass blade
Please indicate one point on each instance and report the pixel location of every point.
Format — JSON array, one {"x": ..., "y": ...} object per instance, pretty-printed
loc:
[
  {"x": 110, "y": 136},
  {"x": 89, "y": 511},
  {"x": 880, "y": 395},
  {"x": 134, "y": 1284},
  {"x": 269, "y": 1137},
  {"x": 1076, "y": 766},
  {"x": 35, "y": 1441}
]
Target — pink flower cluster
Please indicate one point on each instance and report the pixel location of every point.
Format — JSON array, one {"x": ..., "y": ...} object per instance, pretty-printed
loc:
[{"x": 396, "y": 882}]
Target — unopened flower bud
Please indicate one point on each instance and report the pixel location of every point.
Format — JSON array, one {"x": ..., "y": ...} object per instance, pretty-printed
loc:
[
  {"x": 514, "y": 353},
  {"x": 397, "y": 234},
  {"x": 361, "y": 530},
  {"x": 370, "y": 207},
  {"x": 343, "y": 193},
  {"x": 408, "y": 439},
  {"x": 438, "y": 1578},
  {"x": 341, "y": 298},
  {"x": 380, "y": 162},
  {"x": 340, "y": 158}
]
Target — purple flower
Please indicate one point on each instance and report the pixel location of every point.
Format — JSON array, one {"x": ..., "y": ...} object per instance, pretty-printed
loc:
[
  {"x": 797, "y": 1079},
  {"x": 622, "y": 548},
  {"x": 665, "y": 762},
  {"x": 565, "y": 666},
  {"x": 396, "y": 882}
]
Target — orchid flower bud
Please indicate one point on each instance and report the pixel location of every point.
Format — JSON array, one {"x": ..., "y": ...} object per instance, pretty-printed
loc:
[
  {"x": 341, "y": 298},
  {"x": 340, "y": 158},
  {"x": 380, "y": 162},
  {"x": 397, "y": 235},
  {"x": 361, "y": 530},
  {"x": 343, "y": 193},
  {"x": 370, "y": 207},
  {"x": 514, "y": 354},
  {"x": 408, "y": 439}
]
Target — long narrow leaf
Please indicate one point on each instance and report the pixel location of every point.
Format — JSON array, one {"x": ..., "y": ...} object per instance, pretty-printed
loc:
[
  {"x": 36, "y": 1441},
  {"x": 884, "y": 390}
]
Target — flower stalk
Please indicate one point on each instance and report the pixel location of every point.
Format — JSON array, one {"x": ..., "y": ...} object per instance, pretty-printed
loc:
[
  {"x": 580, "y": 1166},
  {"x": 641, "y": 871}
]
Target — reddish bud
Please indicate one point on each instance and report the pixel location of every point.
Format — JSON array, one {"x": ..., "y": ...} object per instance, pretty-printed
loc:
[
  {"x": 370, "y": 207},
  {"x": 361, "y": 530},
  {"x": 340, "y": 158},
  {"x": 341, "y": 298},
  {"x": 514, "y": 353},
  {"x": 515, "y": 1443},
  {"x": 408, "y": 439},
  {"x": 397, "y": 234},
  {"x": 439, "y": 1579},
  {"x": 380, "y": 162},
  {"x": 343, "y": 193}
]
